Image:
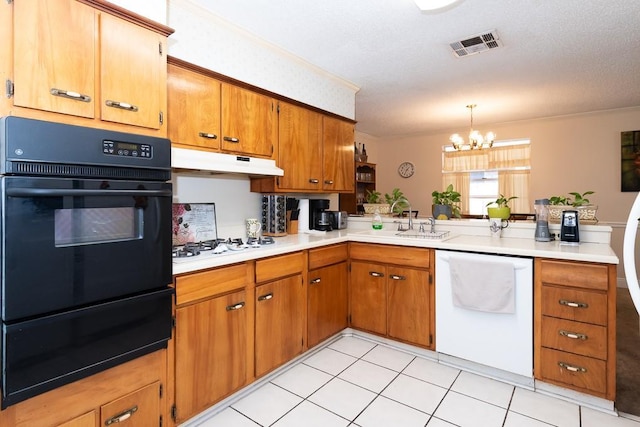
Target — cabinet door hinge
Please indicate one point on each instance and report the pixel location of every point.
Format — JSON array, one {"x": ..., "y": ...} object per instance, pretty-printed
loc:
[
  {"x": 272, "y": 149},
  {"x": 161, "y": 117},
  {"x": 160, "y": 421},
  {"x": 8, "y": 84},
  {"x": 278, "y": 181},
  {"x": 278, "y": 108},
  {"x": 174, "y": 413},
  {"x": 430, "y": 339},
  {"x": 349, "y": 318},
  {"x": 173, "y": 322},
  {"x": 160, "y": 391},
  {"x": 430, "y": 279},
  {"x": 160, "y": 48},
  {"x": 349, "y": 267}
]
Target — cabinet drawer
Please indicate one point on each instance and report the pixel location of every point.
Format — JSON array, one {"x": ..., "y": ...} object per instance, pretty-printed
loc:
[
  {"x": 140, "y": 408},
  {"x": 196, "y": 286},
  {"x": 575, "y": 337},
  {"x": 328, "y": 255},
  {"x": 574, "y": 304},
  {"x": 279, "y": 266},
  {"x": 578, "y": 371},
  {"x": 580, "y": 275},
  {"x": 389, "y": 254}
]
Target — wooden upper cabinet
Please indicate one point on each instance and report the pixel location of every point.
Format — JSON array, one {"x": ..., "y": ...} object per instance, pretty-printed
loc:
[
  {"x": 300, "y": 148},
  {"x": 338, "y": 158},
  {"x": 249, "y": 122},
  {"x": 133, "y": 73},
  {"x": 193, "y": 108},
  {"x": 54, "y": 56},
  {"x": 84, "y": 62}
]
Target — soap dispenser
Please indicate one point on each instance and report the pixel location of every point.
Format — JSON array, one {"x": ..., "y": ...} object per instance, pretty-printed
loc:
[{"x": 376, "y": 221}]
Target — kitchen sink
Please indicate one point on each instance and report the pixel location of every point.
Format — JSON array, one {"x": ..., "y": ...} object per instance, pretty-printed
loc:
[{"x": 407, "y": 234}]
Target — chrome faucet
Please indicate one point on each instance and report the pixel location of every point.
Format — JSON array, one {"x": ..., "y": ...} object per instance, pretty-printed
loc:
[
  {"x": 410, "y": 225},
  {"x": 432, "y": 221}
]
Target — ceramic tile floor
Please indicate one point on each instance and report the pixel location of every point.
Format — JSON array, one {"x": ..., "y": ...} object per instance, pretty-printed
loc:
[{"x": 354, "y": 382}]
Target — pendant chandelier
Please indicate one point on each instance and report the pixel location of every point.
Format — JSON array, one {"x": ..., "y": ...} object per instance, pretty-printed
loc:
[{"x": 476, "y": 140}]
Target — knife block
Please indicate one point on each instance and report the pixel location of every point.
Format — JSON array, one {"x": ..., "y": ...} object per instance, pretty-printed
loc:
[{"x": 274, "y": 215}]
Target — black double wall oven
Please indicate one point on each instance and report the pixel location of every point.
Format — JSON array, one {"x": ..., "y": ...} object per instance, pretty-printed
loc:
[{"x": 85, "y": 253}]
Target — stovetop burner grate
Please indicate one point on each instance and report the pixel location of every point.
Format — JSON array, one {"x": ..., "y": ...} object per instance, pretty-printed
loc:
[{"x": 218, "y": 246}]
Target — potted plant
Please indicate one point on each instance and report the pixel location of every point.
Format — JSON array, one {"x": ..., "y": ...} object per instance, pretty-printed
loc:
[
  {"x": 500, "y": 207},
  {"x": 375, "y": 201},
  {"x": 396, "y": 196},
  {"x": 445, "y": 203},
  {"x": 573, "y": 201}
]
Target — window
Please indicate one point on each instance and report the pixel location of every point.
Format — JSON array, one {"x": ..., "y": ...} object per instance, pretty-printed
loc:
[{"x": 481, "y": 175}]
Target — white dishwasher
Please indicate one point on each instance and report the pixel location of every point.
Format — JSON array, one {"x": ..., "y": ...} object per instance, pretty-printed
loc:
[{"x": 498, "y": 330}]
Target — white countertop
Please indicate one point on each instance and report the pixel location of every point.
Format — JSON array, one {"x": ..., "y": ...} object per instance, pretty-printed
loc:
[{"x": 471, "y": 236}]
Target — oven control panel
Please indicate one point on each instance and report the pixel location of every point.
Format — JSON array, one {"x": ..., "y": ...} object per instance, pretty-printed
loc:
[{"x": 127, "y": 149}]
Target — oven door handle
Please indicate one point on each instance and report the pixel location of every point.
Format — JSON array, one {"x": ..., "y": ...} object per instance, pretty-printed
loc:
[{"x": 54, "y": 192}]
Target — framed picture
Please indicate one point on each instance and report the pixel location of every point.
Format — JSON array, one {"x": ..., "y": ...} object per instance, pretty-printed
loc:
[{"x": 630, "y": 160}]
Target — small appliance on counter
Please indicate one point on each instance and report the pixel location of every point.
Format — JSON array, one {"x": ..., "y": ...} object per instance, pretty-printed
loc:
[
  {"x": 542, "y": 220},
  {"x": 319, "y": 216},
  {"x": 569, "y": 230},
  {"x": 274, "y": 215},
  {"x": 339, "y": 220}
]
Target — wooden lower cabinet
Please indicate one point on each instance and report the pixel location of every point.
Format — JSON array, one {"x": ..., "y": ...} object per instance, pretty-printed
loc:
[
  {"x": 575, "y": 325},
  {"x": 212, "y": 337},
  {"x": 211, "y": 341},
  {"x": 131, "y": 393},
  {"x": 395, "y": 298},
  {"x": 327, "y": 295},
  {"x": 137, "y": 409},
  {"x": 279, "y": 322}
]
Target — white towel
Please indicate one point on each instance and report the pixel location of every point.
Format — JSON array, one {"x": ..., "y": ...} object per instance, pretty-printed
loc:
[{"x": 483, "y": 285}]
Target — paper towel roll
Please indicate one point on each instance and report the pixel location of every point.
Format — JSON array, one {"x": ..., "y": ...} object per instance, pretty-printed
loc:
[{"x": 303, "y": 218}]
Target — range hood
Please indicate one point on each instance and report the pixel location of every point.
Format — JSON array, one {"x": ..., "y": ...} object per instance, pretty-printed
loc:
[{"x": 182, "y": 158}]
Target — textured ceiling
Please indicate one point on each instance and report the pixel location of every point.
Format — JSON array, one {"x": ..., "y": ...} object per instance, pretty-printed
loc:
[{"x": 559, "y": 57}]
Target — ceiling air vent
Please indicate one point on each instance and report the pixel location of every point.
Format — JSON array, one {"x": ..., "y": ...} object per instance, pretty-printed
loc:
[{"x": 477, "y": 43}]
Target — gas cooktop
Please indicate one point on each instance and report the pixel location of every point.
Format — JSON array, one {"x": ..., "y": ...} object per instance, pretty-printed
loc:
[{"x": 196, "y": 250}]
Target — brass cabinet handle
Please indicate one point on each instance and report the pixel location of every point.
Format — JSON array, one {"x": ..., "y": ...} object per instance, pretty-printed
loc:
[
  {"x": 237, "y": 306},
  {"x": 315, "y": 281},
  {"x": 208, "y": 135},
  {"x": 328, "y": 181},
  {"x": 572, "y": 335},
  {"x": 396, "y": 277},
  {"x": 123, "y": 416},
  {"x": 70, "y": 94},
  {"x": 573, "y": 304},
  {"x": 314, "y": 181},
  {"x": 231, "y": 139},
  {"x": 572, "y": 368},
  {"x": 121, "y": 105},
  {"x": 375, "y": 274},
  {"x": 265, "y": 297}
]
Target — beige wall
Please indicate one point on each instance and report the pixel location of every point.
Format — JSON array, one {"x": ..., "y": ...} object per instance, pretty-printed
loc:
[{"x": 569, "y": 153}]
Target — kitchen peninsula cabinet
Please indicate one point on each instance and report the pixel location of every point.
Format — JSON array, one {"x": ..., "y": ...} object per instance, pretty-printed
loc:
[
  {"x": 391, "y": 292},
  {"x": 575, "y": 325},
  {"x": 327, "y": 304},
  {"x": 84, "y": 62},
  {"x": 213, "y": 337},
  {"x": 280, "y": 310},
  {"x": 132, "y": 392}
]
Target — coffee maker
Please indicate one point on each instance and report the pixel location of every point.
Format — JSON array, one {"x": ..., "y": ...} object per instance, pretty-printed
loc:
[{"x": 319, "y": 216}]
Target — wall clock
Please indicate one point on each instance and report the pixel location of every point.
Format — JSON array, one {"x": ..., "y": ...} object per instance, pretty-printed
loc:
[{"x": 406, "y": 169}]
